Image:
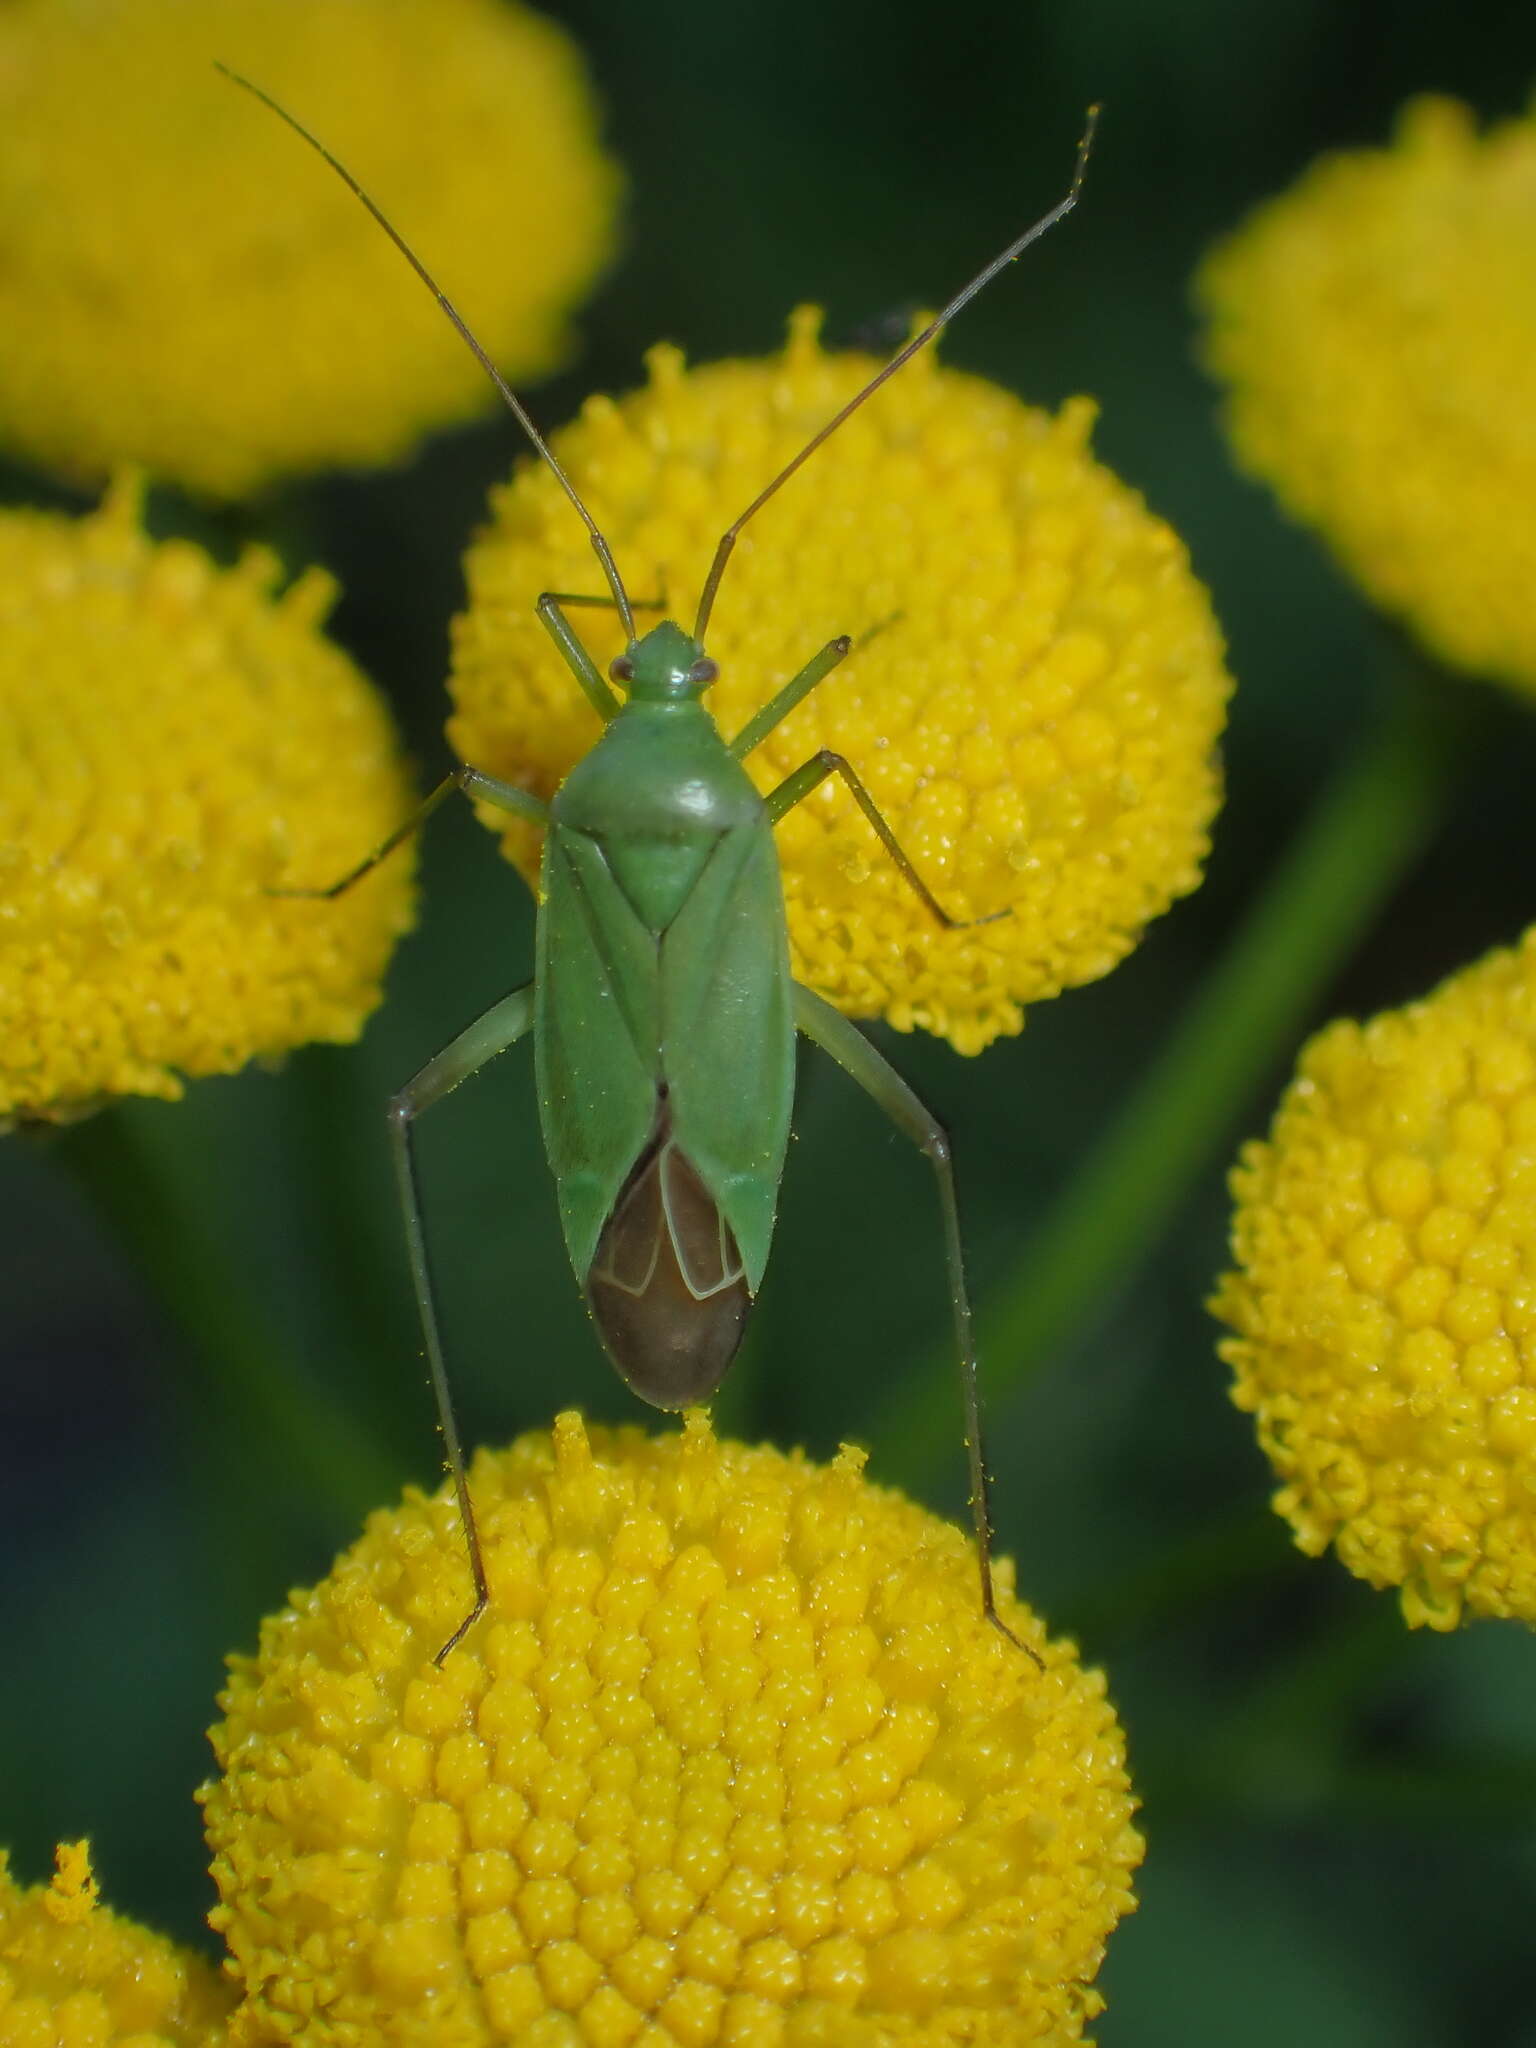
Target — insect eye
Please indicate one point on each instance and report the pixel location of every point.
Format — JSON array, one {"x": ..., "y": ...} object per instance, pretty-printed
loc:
[
  {"x": 703, "y": 671},
  {"x": 621, "y": 669}
]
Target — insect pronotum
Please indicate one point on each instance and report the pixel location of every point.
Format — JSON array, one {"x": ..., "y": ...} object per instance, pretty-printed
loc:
[{"x": 660, "y": 885}]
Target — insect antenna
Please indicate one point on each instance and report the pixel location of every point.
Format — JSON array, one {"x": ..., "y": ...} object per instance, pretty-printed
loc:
[
  {"x": 600, "y": 546},
  {"x": 903, "y": 355}
]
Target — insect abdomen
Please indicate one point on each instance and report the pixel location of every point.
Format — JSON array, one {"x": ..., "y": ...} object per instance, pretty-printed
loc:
[{"x": 666, "y": 1287}]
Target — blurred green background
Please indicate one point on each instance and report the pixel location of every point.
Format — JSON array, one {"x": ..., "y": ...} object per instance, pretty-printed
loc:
[{"x": 1341, "y": 1817}]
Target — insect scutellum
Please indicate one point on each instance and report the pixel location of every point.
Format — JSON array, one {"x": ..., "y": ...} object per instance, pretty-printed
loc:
[{"x": 663, "y": 1009}]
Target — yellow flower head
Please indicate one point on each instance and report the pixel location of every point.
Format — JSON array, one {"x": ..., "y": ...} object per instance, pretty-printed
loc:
[
  {"x": 184, "y": 284},
  {"x": 733, "y": 1758},
  {"x": 1034, "y": 710},
  {"x": 1386, "y": 1299},
  {"x": 1376, "y": 328},
  {"x": 175, "y": 741},
  {"x": 73, "y": 1975}
]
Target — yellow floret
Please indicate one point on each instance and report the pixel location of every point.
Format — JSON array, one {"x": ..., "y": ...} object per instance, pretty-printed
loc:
[
  {"x": 1376, "y": 328},
  {"x": 1034, "y": 710},
  {"x": 73, "y": 1975},
  {"x": 184, "y": 284},
  {"x": 1386, "y": 1299},
  {"x": 734, "y": 1757},
  {"x": 175, "y": 741}
]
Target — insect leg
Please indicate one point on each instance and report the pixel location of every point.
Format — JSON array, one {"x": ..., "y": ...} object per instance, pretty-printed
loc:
[
  {"x": 636, "y": 604},
  {"x": 845, "y": 1043},
  {"x": 795, "y": 788},
  {"x": 784, "y": 701},
  {"x": 504, "y": 795},
  {"x": 593, "y": 683},
  {"x": 502, "y": 1025},
  {"x": 575, "y": 656}
]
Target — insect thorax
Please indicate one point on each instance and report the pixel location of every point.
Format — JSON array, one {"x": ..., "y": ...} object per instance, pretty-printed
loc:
[{"x": 660, "y": 771}]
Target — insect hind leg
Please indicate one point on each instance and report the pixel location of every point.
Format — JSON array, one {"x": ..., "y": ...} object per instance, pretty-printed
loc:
[
  {"x": 501, "y": 1026},
  {"x": 846, "y": 1044}
]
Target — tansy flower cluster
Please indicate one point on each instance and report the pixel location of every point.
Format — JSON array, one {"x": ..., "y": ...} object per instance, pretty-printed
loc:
[
  {"x": 1376, "y": 330},
  {"x": 1385, "y": 1302},
  {"x": 74, "y": 1975},
  {"x": 184, "y": 284},
  {"x": 733, "y": 1758},
  {"x": 176, "y": 741},
  {"x": 1033, "y": 698}
]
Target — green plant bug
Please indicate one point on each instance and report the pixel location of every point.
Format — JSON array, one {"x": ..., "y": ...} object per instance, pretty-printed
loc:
[{"x": 662, "y": 978}]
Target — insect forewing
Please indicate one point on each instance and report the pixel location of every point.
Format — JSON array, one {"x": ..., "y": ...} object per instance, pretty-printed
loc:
[
  {"x": 730, "y": 1037},
  {"x": 666, "y": 1065}
]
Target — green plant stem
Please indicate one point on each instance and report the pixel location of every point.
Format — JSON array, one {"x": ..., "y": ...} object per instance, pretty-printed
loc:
[
  {"x": 1297, "y": 1743},
  {"x": 1364, "y": 832},
  {"x": 1231, "y": 1784},
  {"x": 1228, "y": 1550},
  {"x": 1451, "y": 1789},
  {"x": 238, "y": 1374}
]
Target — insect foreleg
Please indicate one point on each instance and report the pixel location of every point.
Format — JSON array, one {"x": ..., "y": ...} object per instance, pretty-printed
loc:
[
  {"x": 574, "y": 655},
  {"x": 795, "y": 788},
  {"x": 593, "y": 683},
  {"x": 603, "y": 602},
  {"x": 779, "y": 706},
  {"x": 846, "y": 1044},
  {"x": 487, "y": 788},
  {"x": 501, "y": 1026}
]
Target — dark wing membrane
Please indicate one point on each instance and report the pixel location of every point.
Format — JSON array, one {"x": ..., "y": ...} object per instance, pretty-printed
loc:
[
  {"x": 667, "y": 1288},
  {"x": 596, "y": 1037},
  {"x": 728, "y": 1042}
]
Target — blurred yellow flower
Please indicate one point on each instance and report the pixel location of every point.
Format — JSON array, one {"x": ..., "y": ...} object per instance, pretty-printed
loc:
[
  {"x": 1035, "y": 714},
  {"x": 73, "y": 1975},
  {"x": 1376, "y": 329},
  {"x": 733, "y": 1758},
  {"x": 1385, "y": 1302},
  {"x": 175, "y": 740},
  {"x": 184, "y": 284}
]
